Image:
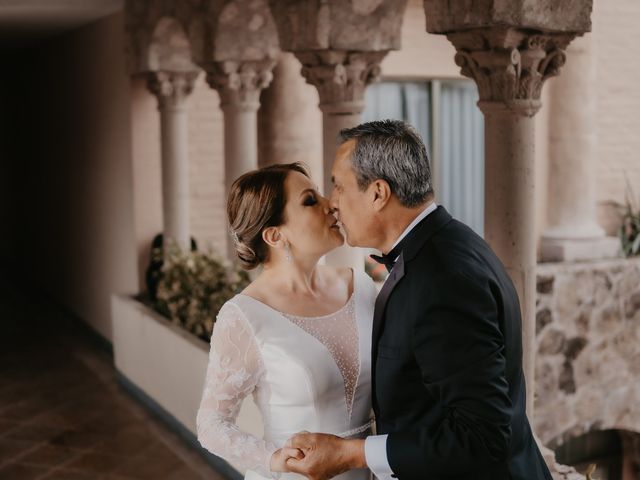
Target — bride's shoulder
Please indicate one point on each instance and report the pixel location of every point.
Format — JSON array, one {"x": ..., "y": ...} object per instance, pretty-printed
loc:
[{"x": 229, "y": 310}]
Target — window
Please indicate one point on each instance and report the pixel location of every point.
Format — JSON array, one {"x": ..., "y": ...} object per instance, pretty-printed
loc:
[{"x": 446, "y": 116}]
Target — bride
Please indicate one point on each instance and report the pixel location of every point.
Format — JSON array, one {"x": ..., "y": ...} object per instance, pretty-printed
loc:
[{"x": 298, "y": 338}]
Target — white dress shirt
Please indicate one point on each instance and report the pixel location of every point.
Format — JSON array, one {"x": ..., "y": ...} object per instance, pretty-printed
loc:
[
  {"x": 429, "y": 209},
  {"x": 375, "y": 446}
]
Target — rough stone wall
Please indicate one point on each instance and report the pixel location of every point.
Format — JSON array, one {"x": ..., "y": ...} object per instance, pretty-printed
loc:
[{"x": 588, "y": 340}]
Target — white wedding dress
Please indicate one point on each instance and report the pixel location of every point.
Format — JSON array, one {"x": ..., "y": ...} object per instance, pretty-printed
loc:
[{"x": 305, "y": 373}]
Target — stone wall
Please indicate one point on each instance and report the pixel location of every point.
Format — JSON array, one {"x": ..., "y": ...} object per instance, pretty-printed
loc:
[{"x": 588, "y": 341}]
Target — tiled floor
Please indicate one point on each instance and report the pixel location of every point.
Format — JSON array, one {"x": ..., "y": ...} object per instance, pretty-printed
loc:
[{"x": 62, "y": 413}]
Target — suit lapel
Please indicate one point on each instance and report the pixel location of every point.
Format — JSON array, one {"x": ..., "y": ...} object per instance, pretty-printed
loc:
[
  {"x": 396, "y": 274},
  {"x": 411, "y": 245}
]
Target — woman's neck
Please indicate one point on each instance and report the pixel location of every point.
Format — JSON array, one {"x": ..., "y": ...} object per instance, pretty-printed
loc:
[{"x": 296, "y": 276}]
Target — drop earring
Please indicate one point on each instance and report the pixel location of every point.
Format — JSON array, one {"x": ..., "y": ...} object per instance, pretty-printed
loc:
[{"x": 287, "y": 251}]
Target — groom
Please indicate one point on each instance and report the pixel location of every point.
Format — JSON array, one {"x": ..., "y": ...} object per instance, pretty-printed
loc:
[{"x": 448, "y": 386}]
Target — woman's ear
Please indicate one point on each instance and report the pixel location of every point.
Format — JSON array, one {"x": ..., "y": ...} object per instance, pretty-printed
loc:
[
  {"x": 272, "y": 236},
  {"x": 381, "y": 194}
]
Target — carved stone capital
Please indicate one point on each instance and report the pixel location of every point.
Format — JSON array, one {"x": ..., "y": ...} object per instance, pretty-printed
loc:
[
  {"x": 509, "y": 65},
  {"x": 239, "y": 83},
  {"x": 171, "y": 88},
  {"x": 341, "y": 77}
]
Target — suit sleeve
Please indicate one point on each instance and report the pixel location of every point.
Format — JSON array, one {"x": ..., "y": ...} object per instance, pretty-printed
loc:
[{"x": 459, "y": 348}]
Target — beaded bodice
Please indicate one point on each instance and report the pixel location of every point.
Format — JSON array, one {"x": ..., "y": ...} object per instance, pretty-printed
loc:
[{"x": 338, "y": 332}]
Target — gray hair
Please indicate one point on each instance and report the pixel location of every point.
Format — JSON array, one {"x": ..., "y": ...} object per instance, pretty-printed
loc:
[{"x": 392, "y": 151}]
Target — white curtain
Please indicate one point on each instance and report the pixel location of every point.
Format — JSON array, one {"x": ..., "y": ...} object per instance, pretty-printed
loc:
[
  {"x": 461, "y": 162},
  {"x": 407, "y": 101}
]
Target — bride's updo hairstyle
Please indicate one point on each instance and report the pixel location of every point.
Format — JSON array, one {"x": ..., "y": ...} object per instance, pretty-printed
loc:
[{"x": 256, "y": 201}]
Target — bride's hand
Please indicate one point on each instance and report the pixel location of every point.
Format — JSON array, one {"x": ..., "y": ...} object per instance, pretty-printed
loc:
[{"x": 280, "y": 457}]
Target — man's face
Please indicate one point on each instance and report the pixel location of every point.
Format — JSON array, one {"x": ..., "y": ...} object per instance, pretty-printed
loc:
[{"x": 354, "y": 207}]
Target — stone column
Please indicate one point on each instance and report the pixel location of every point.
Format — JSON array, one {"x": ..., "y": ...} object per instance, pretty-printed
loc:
[
  {"x": 510, "y": 66},
  {"x": 172, "y": 90},
  {"x": 286, "y": 105},
  {"x": 341, "y": 78},
  {"x": 340, "y": 45},
  {"x": 509, "y": 223},
  {"x": 239, "y": 85},
  {"x": 573, "y": 232}
]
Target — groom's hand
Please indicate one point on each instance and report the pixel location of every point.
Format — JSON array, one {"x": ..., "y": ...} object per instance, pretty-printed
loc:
[
  {"x": 325, "y": 456},
  {"x": 279, "y": 458}
]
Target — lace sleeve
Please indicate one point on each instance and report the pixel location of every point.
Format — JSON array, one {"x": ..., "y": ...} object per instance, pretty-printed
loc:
[{"x": 234, "y": 369}]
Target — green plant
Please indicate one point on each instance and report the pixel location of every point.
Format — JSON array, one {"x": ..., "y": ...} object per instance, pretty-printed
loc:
[
  {"x": 193, "y": 286},
  {"x": 629, "y": 231}
]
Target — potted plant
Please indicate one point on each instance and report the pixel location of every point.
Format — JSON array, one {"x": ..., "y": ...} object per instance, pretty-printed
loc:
[
  {"x": 161, "y": 346},
  {"x": 193, "y": 286}
]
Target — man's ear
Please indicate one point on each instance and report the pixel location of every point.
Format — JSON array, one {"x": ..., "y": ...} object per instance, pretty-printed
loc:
[
  {"x": 381, "y": 194},
  {"x": 272, "y": 236}
]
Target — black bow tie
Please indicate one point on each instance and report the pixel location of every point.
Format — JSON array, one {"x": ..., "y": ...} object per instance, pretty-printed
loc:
[
  {"x": 386, "y": 260},
  {"x": 389, "y": 260}
]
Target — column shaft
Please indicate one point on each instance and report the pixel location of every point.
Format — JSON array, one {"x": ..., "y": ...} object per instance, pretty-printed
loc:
[
  {"x": 240, "y": 142},
  {"x": 572, "y": 127},
  {"x": 572, "y": 230},
  {"x": 341, "y": 78},
  {"x": 510, "y": 67},
  {"x": 240, "y": 147},
  {"x": 332, "y": 123},
  {"x": 175, "y": 175},
  {"x": 239, "y": 84},
  {"x": 285, "y": 105},
  {"x": 510, "y": 213},
  {"x": 172, "y": 90}
]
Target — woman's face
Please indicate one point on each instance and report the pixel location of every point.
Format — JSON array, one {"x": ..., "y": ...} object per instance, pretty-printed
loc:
[{"x": 310, "y": 227}]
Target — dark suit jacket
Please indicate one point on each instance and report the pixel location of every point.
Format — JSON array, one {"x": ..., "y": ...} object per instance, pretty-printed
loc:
[{"x": 448, "y": 384}]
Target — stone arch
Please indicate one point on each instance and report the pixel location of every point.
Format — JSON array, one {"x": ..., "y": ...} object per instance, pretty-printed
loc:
[
  {"x": 259, "y": 36},
  {"x": 157, "y": 36},
  {"x": 169, "y": 47},
  {"x": 233, "y": 30}
]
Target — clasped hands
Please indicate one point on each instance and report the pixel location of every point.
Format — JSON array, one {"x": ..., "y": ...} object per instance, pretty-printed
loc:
[{"x": 318, "y": 456}]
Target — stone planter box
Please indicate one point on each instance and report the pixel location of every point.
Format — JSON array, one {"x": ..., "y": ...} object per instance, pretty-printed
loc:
[
  {"x": 165, "y": 366},
  {"x": 588, "y": 349}
]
